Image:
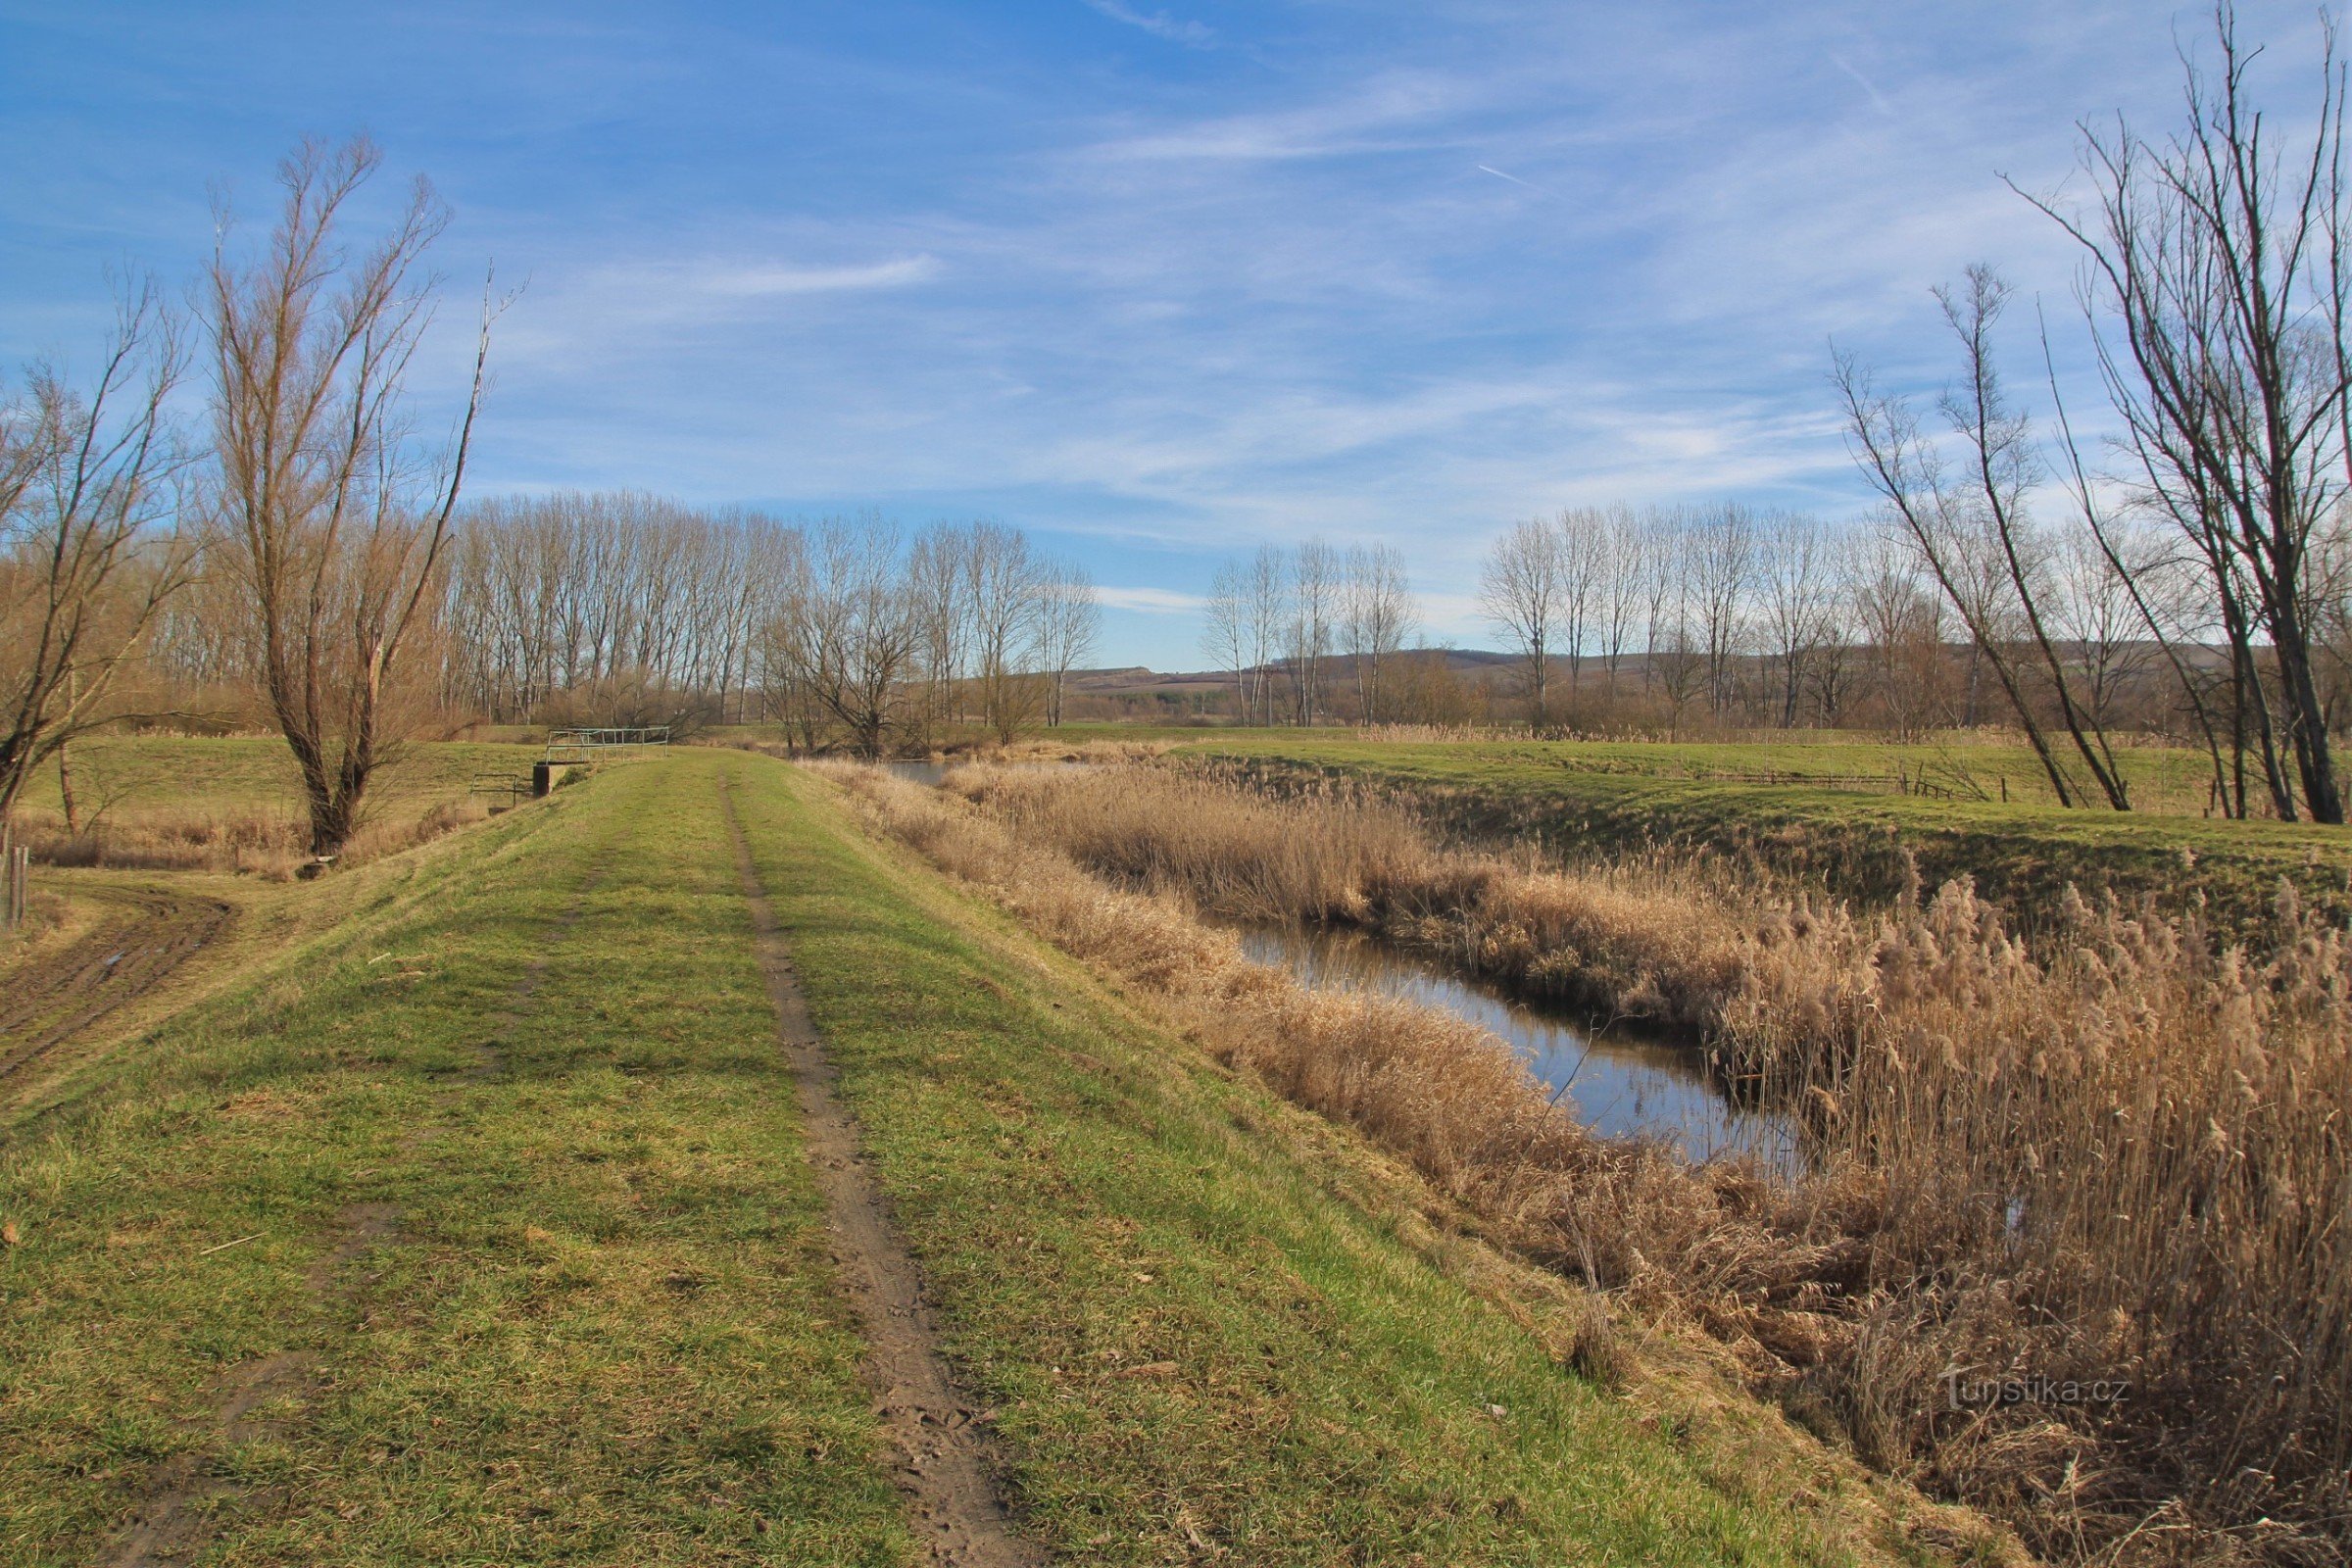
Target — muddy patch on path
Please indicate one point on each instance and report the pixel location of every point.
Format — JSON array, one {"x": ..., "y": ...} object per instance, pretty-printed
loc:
[
  {"x": 57, "y": 995},
  {"x": 945, "y": 1457}
]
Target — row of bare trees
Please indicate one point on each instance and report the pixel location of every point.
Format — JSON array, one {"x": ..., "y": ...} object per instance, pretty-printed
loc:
[
  {"x": 298, "y": 552},
  {"x": 1926, "y": 616},
  {"x": 1313, "y": 631},
  {"x": 878, "y": 640}
]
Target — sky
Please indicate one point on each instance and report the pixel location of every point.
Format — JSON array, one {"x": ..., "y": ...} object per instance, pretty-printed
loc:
[{"x": 1156, "y": 282}]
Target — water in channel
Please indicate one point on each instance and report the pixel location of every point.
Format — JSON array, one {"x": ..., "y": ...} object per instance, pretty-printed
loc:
[
  {"x": 1616, "y": 1082},
  {"x": 1619, "y": 1084}
]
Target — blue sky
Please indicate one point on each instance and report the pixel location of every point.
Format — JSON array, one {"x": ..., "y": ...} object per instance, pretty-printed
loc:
[{"x": 1156, "y": 281}]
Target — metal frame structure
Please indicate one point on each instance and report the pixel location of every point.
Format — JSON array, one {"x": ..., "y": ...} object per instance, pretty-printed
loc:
[{"x": 586, "y": 744}]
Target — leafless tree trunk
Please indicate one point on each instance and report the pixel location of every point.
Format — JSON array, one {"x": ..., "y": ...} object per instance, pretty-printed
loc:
[
  {"x": 1376, "y": 616},
  {"x": 327, "y": 513},
  {"x": 1951, "y": 527},
  {"x": 849, "y": 631},
  {"x": 1798, "y": 603},
  {"x": 1225, "y": 638},
  {"x": 1314, "y": 610}
]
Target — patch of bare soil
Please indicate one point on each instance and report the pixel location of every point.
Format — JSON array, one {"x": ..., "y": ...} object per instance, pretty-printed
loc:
[
  {"x": 54, "y": 996},
  {"x": 945, "y": 1456}
]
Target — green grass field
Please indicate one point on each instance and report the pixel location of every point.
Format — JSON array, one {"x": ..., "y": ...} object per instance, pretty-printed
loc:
[
  {"x": 1588, "y": 799},
  {"x": 237, "y": 773},
  {"x": 494, "y": 1171}
]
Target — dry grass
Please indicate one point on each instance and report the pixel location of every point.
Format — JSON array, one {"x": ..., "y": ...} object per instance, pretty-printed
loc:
[
  {"x": 273, "y": 844},
  {"x": 2121, "y": 1161}
]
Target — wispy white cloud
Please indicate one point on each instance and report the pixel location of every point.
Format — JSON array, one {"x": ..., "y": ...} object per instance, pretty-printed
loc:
[
  {"x": 1150, "y": 601},
  {"x": 1489, "y": 168},
  {"x": 1158, "y": 23},
  {"x": 761, "y": 279},
  {"x": 1870, "y": 89}
]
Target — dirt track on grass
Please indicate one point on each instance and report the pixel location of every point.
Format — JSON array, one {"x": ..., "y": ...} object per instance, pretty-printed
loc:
[
  {"x": 56, "y": 995},
  {"x": 944, "y": 1455}
]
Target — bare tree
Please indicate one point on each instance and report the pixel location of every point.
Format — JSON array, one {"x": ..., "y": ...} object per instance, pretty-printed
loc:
[
  {"x": 1720, "y": 545},
  {"x": 1629, "y": 540},
  {"x": 1376, "y": 616},
  {"x": 1225, "y": 636},
  {"x": 2224, "y": 259},
  {"x": 1798, "y": 603},
  {"x": 1902, "y": 624},
  {"x": 87, "y": 554},
  {"x": 1972, "y": 533},
  {"x": 1520, "y": 590},
  {"x": 1583, "y": 560},
  {"x": 329, "y": 513},
  {"x": 1269, "y": 607},
  {"x": 1005, "y": 583},
  {"x": 849, "y": 631},
  {"x": 1069, "y": 620},
  {"x": 1314, "y": 613}
]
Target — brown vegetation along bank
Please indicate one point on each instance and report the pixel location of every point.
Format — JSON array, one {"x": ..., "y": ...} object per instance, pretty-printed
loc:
[{"x": 2073, "y": 1249}]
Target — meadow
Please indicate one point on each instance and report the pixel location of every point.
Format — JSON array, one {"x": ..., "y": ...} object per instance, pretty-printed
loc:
[
  {"x": 1828, "y": 813},
  {"x": 235, "y": 803}
]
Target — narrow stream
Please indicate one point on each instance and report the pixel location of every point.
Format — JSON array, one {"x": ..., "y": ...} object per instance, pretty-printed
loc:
[{"x": 1618, "y": 1083}]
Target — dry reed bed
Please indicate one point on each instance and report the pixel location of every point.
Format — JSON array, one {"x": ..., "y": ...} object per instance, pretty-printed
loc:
[{"x": 2124, "y": 1162}]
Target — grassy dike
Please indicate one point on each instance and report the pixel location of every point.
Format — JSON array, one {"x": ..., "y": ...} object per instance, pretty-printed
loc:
[{"x": 476, "y": 1228}]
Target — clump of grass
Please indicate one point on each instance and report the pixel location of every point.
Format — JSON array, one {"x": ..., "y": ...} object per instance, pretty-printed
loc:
[{"x": 2118, "y": 1160}]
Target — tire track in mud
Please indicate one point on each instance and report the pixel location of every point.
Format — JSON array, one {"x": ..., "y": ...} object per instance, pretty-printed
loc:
[
  {"x": 177, "y": 1513},
  {"x": 53, "y": 999},
  {"x": 945, "y": 1457}
]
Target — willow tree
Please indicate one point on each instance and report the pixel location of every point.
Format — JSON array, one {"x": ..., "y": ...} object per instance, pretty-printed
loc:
[{"x": 329, "y": 510}]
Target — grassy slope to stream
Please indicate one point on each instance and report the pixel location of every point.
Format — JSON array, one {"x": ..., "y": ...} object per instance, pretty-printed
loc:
[
  {"x": 535, "y": 1272},
  {"x": 1586, "y": 797}
]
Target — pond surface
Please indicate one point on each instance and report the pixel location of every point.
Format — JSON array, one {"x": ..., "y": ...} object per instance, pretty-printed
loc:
[
  {"x": 1619, "y": 1084},
  {"x": 926, "y": 772}
]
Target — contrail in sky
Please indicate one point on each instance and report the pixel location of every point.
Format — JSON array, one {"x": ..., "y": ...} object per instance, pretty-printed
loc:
[{"x": 1514, "y": 179}]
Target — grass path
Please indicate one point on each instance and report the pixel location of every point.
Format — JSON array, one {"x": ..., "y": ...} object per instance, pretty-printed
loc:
[{"x": 480, "y": 1227}]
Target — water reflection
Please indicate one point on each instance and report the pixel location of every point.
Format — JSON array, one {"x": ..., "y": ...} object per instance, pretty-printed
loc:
[{"x": 1619, "y": 1084}]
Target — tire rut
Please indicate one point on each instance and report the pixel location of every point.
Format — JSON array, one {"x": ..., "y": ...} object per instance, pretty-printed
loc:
[
  {"x": 53, "y": 999},
  {"x": 945, "y": 1457}
]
